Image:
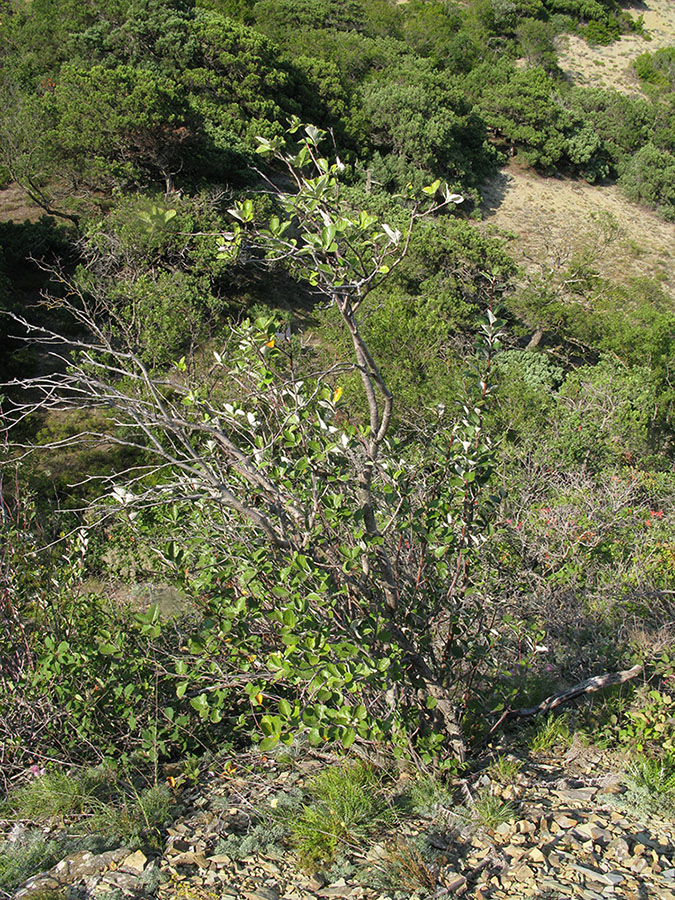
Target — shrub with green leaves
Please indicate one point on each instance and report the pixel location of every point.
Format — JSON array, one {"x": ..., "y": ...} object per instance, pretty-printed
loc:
[
  {"x": 537, "y": 370},
  {"x": 649, "y": 725},
  {"x": 649, "y": 178},
  {"x": 657, "y": 69},
  {"x": 296, "y": 520}
]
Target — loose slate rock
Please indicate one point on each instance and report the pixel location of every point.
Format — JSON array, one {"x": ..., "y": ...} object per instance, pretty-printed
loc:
[{"x": 135, "y": 862}]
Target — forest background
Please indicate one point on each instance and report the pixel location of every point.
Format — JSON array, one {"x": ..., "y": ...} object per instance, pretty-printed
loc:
[{"x": 190, "y": 410}]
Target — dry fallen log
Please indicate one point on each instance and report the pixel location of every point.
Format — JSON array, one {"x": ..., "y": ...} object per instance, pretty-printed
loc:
[
  {"x": 589, "y": 686},
  {"x": 596, "y": 683}
]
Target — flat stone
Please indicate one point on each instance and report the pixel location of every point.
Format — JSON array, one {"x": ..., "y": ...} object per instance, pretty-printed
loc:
[
  {"x": 220, "y": 859},
  {"x": 455, "y": 883},
  {"x": 619, "y": 848},
  {"x": 73, "y": 868},
  {"x": 609, "y": 878},
  {"x": 511, "y": 792},
  {"x": 335, "y": 890},
  {"x": 135, "y": 862},
  {"x": 523, "y": 873},
  {"x": 41, "y": 882},
  {"x": 639, "y": 866},
  {"x": 263, "y": 893},
  {"x": 646, "y": 840},
  {"x": 190, "y": 859},
  {"x": 577, "y": 795},
  {"x": 122, "y": 881},
  {"x": 617, "y": 819},
  {"x": 557, "y": 886},
  {"x": 589, "y": 831}
]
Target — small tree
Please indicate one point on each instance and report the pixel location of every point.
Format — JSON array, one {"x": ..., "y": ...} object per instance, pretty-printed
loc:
[{"x": 342, "y": 563}]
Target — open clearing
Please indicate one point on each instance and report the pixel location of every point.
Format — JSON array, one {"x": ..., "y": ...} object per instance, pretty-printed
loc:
[
  {"x": 555, "y": 217},
  {"x": 596, "y": 66},
  {"x": 16, "y": 207}
]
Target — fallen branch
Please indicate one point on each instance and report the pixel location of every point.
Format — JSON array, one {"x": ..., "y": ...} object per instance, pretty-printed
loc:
[{"x": 596, "y": 683}]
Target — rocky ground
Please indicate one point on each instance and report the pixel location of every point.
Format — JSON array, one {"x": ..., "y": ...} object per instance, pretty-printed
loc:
[{"x": 568, "y": 833}]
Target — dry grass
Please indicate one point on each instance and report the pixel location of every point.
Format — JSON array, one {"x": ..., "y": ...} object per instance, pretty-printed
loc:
[
  {"x": 612, "y": 66},
  {"x": 556, "y": 218},
  {"x": 15, "y": 206}
]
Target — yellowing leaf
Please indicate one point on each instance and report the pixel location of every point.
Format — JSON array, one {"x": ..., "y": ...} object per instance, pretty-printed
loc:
[
  {"x": 270, "y": 343},
  {"x": 258, "y": 698},
  {"x": 337, "y": 395}
]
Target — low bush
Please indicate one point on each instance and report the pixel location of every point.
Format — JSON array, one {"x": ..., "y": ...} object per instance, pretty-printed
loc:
[
  {"x": 649, "y": 178},
  {"x": 650, "y": 787},
  {"x": 657, "y": 69}
]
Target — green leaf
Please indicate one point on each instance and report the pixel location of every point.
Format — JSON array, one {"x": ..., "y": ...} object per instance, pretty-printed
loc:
[
  {"x": 432, "y": 188},
  {"x": 348, "y": 738},
  {"x": 327, "y": 236},
  {"x": 314, "y": 737}
]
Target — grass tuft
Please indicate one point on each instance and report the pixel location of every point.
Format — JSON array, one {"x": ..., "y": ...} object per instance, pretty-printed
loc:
[
  {"x": 505, "y": 769},
  {"x": 650, "y": 788},
  {"x": 429, "y": 797},
  {"x": 553, "y": 733},
  {"x": 409, "y": 869},
  {"x": 111, "y": 805},
  {"x": 489, "y": 811},
  {"x": 348, "y": 805}
]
